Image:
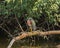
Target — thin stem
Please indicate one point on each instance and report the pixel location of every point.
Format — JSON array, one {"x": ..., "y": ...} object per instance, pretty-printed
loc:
[
  {"x": 6, "y": 31},
  {"x": 19, "y": 24},
  {"x": 7, "y": 28}
]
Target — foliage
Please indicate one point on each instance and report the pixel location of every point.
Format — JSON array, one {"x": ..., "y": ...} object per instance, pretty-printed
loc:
[
  {"x": 33, "y": 8},
  {"x": 46, "y": 10}
]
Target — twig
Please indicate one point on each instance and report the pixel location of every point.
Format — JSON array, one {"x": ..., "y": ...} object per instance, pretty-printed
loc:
[
  {"x": 19, "y": 24},
  {"x": 6, "y": 31},
  {"x": 7, "y": 28}
]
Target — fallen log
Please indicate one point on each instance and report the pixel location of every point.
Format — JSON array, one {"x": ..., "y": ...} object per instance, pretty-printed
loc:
[
  {"x": 40, "y": 33},
  {"x": 28, "y": 34},
  {"x": 58, "y": 46}
]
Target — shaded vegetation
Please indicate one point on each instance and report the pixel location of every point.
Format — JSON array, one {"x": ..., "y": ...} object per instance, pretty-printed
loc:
[
  {"x": 45, "y": 12},
  {"x": 14, "y": 13}
]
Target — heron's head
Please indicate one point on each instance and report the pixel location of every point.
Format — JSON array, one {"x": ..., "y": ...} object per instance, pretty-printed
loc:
[{"x": 29, "y": 18}]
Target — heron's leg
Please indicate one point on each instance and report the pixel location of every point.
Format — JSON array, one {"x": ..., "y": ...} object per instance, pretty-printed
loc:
[{"x": 31, "y": 29}]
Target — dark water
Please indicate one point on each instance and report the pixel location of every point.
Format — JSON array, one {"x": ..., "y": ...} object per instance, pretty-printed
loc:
[{"x": 45, "y": 44}]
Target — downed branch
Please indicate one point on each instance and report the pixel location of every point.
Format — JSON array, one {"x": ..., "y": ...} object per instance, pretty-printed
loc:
[
  {"x": 58, "y": 46},
  {"x": 27, "y": 34},
  {"x": 40, "y": 33}
]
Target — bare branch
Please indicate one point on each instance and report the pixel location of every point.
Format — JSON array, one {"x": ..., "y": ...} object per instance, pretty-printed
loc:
[
  {"x": 6, "y": 31},
  {"x": 19, "y": 24},
  {"x": 40, "y": 33},
  {"x": 27, "y": 34}
]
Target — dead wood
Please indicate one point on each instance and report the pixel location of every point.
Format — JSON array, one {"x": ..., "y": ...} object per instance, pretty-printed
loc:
[
  {"x": 40, "y": 33},
  {"x": 27, "y": 34}
]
